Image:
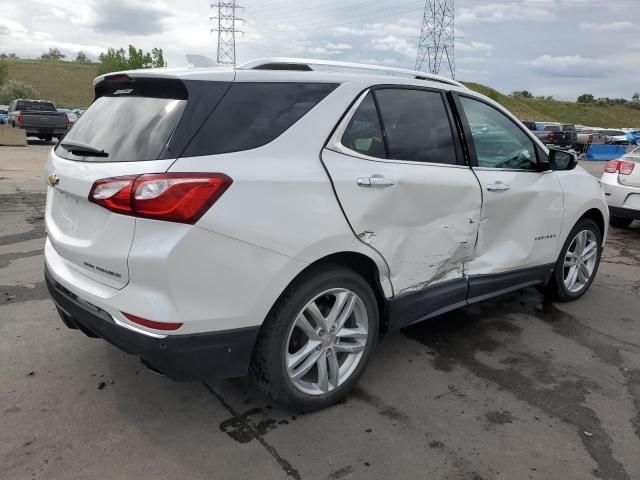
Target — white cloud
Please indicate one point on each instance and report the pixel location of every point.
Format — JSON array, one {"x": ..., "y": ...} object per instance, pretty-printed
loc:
[
  {"x": 573, "y": 66},
  {"x": 391, "y": 43},
  {"x": 498, "y": 13},
  {"x": 607, "y": 27},
  {"x": 338, "y": 46},
  {"x": 474, "y": 47}
]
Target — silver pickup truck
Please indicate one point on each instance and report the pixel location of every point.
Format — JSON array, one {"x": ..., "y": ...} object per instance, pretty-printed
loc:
[{"x": 39, "y": 118}]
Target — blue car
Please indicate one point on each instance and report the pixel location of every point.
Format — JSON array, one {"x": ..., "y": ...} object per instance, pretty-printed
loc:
[{"x": 3, "y": 114}]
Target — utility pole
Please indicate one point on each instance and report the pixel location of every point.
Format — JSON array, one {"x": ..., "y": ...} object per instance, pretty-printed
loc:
[
  {"x": 436, "y": 37},
  {"x": 225, "y": 24}
]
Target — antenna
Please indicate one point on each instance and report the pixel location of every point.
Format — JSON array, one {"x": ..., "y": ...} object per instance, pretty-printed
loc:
[
  {"x": 226, "y": 27},
  {"x": 437, "y": 37}
]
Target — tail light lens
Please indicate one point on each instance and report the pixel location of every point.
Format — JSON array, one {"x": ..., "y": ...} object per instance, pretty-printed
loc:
[
  {"x": 620, "y": 166},
  {"x": 67, "y": 122},
  {"x": 590, "y": 138},
  {"x": 550, "y": 136},
  {"x": 19, "y": 119},
  {"x": 173, "y": 197}
]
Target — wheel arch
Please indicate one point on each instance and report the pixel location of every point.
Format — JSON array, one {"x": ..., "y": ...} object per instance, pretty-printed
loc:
[
  {"x": 359, "y": 263},
  {"x": 597, "y": 216}
]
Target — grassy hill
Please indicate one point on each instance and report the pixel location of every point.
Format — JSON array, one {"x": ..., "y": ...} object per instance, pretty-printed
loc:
[
  {"x": 613, "y": 116},
  {"x": 69, "y": 84}
]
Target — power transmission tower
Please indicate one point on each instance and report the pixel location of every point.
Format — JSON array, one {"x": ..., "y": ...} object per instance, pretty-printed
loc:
[
  {"x": 226, "y": 27},
  {"x": 437, "y": 37}
]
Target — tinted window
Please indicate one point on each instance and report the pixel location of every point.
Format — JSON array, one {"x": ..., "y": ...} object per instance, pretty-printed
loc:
[
  {"x": 499, "y": 143},
  {"x": 35, "y": 106},
  {"x": 253, "y": 114},
  {"x": 416, "y": 125},
  {"x": 130, "y": 121},
  {"x": 364, "y": 134},
  {"x": 552, "y": 128}
]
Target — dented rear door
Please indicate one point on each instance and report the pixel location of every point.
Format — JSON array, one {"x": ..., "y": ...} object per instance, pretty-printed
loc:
[{"x": 403, "y": 187}]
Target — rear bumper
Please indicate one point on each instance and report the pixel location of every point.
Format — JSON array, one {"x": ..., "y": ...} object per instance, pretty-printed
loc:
[
  {"x": 221, "y": 354},
  {"x": 624, "y": 212},
  {"x": 35, "y": 131}
]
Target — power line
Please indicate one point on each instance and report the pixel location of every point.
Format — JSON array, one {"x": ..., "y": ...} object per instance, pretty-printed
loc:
[
  {"x": 226, "y": 27},
  {"x": 435, "y": 44}
]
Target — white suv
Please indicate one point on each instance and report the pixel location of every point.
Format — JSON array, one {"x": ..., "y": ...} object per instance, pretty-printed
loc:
[
  {"x": 621, "y": 182},
  {"x": 277, "y": 217}
]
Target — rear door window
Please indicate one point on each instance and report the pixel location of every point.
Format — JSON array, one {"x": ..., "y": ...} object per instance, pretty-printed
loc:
[
  {"x": 364, "y": 133},
  {"x": 416, "y": 125},
  {"x": 251, "y": 115}
]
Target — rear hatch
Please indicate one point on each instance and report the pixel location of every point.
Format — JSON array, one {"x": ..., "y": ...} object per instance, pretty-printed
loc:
[{"x": 132, "y": 128}]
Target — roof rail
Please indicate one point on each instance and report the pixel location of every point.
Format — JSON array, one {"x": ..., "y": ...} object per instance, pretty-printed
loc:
[{"x": 283, "y": 63}]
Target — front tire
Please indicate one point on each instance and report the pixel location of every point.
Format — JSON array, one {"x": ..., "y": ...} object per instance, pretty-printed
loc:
[
  {"x": 578, "y": 262},
  {"x": 317, "y": 339},
  {"x": 620, "y": 222}
]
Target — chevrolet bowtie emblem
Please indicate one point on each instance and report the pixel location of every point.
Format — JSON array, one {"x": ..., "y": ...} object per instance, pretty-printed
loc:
[{"x": 53, "y": 180}]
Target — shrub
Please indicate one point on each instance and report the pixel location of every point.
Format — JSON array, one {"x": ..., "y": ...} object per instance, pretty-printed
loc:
[{"x": 13, "y": 89}]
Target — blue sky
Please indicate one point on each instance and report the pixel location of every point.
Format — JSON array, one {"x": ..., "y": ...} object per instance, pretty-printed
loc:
[{"x": 551, "y": 47}]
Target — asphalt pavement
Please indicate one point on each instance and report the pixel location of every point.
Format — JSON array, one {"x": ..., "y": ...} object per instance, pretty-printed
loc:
[{"x": 513, "y": 388}]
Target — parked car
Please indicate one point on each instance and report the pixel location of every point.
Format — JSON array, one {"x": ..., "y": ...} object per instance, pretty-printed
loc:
[
  {"x": 621, "y": 183},
  {"x": 276, "y": 221},
  {"x": 559, "y": 135},
  {"x": 39, "y": 118},
  {"x": 3, "y": 113},
  {"x": 629, "y": 137},
  {"x": 530, "y": 125}
]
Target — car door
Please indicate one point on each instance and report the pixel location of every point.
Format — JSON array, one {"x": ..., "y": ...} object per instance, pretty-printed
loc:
[
  {"x": 523, "y": 202},
  {"x": 398, "y": 173}
]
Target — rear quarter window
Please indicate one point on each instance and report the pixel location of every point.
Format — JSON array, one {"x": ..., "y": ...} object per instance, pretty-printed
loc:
[{"x": 251, "y": 115}]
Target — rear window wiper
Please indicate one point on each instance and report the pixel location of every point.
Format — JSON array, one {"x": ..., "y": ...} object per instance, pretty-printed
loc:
[{"x": 83, "y": 150}]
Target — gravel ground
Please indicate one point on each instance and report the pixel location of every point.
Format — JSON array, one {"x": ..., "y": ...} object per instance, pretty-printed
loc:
[{"x": 506, "y": 389}]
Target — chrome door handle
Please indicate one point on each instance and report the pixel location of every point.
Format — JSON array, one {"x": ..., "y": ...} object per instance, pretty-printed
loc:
[
  {"x": 498, "y": 187},
  {"x": 375, "y": 181}
]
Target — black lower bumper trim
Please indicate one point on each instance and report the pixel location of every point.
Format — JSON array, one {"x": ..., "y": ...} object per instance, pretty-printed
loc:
[
  {"x": 624, "y": 212},
  {"x": 222, "y": 354}
]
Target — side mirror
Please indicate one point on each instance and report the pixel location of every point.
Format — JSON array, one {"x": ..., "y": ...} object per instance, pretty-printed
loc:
[{"x": 562, "y": 160}]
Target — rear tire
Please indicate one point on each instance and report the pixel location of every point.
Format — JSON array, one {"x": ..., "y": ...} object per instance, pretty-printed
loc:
[
  {"x": 577, "y": 264},
  {"x": 620, "y": 222},
  {"x": 296, "y": 325}
]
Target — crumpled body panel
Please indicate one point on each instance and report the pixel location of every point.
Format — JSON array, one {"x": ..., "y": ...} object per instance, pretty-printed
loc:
[{"x": 425, "y": 225}]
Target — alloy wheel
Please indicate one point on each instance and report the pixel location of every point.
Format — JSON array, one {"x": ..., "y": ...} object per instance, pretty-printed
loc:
[
  {"x": 326, "y": 341},
  {"x": 580, "y": 261}
]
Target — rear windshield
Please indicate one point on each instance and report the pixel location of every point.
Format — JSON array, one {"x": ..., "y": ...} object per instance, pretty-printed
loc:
[
  {"x": 552, "y": 128},
  {"x": 130, "y": 123},
  {"x": 26, "y": 105}
]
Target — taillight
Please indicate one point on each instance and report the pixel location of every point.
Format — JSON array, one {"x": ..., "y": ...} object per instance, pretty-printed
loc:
[
  {"x": 626, "y": 168},
  {"x": 67, "y": 122},
  {"x": 19, "y": 119},
  {"x": 173, "y": 197},
  {"x": 620, "y": 166},
  {"x": 590, "y": 138},
  {"x": 550, "y": 136},
  {"x": 152, "y": 323}
]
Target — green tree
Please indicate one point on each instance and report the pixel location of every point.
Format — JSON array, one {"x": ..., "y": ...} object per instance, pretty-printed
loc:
[
  {"x": 81, "y": 57},
  {"x": 13, "y": 89},
  {"x": 53, "y": 54},
  {"x": 132, "y": 59},
  {"x": 635, "y": 99},
  {"x": 586, "y": 98},
  {"x": 8, "y": 55},
  {"x": 522, "y": 93}
]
